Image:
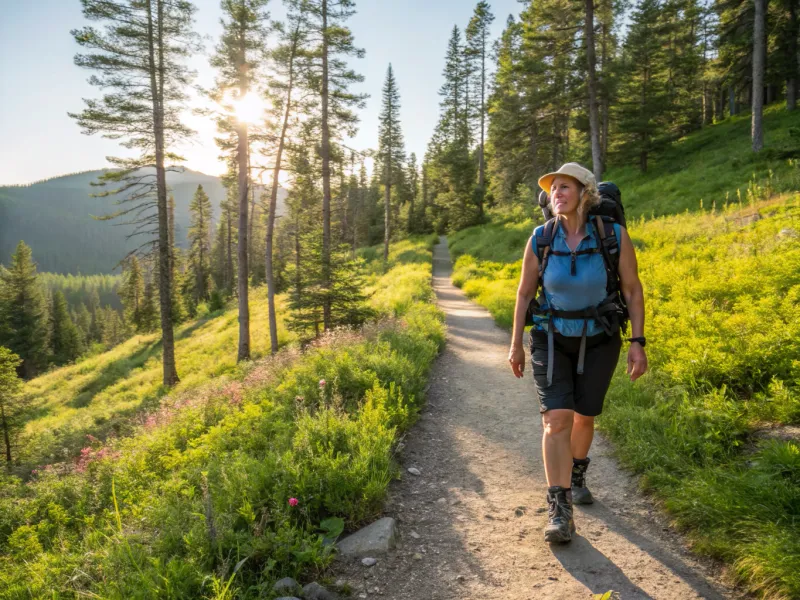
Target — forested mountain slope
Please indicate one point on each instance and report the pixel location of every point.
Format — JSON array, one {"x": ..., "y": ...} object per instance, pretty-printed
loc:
[{"x": 54, "y": 217}]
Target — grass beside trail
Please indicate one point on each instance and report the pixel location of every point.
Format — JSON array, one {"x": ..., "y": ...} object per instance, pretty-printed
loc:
[
  {"x": 197, "y": 503},
  {"x": 722, "y": 293},
  {"x": 102, "y": 394}
]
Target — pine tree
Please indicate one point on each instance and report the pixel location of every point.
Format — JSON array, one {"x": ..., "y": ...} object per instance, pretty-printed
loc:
[
  {"x": 238, "y": 59},
  {"x": 139, "y": 60},
  {"x": 642, "y": 93},
  {"x": 131, "y": 293},
  {"x": 65, "y": 337},
  {"x": 148, "y": 312},
  {"x": 199, "y": 262},
  {"x": 96, "y": 325},
  {"x": 594, "y": 114},
  {"x": 391, "y": 152},
  {"x": 325, "y": 20},
  {"x": 477, "y": 37},
  {"x": 413, "y": 183},
  {"x": 83, "y": 319},
  {"x": 24, "y": 312},
  {"x": 10, "y": 405}
]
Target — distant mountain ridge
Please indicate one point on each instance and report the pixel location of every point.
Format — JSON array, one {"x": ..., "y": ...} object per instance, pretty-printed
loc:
[{"x": 54, "y": 217}]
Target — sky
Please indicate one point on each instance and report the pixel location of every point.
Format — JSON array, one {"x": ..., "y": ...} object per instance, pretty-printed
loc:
[{"x": 39, "y": 83}]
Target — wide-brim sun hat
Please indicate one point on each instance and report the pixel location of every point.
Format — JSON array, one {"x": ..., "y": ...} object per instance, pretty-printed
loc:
[{"x": 572, "y": 169}]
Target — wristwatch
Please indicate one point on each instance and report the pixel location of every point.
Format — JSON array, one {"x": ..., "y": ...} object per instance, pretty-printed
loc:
[{"x": 642, "y": 341}]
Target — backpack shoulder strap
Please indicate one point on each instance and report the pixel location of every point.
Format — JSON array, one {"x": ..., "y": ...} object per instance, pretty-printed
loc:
[
  {"x": 608, "y": 243},
  {"x": 544, "y": 241}
]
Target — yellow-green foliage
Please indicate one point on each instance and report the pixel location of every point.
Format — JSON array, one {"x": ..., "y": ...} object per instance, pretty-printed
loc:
[
  {"x": 101, "y": 393},
  {"x": 205, "y": 483},
  {"x": 722, "y": 290}
]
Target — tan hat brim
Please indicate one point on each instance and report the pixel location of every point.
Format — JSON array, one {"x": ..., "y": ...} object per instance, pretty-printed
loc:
[{"x": 545, "y": 181}]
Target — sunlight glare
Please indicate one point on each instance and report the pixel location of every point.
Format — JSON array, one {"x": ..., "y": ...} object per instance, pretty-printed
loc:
[{"x": 249, "y": 109}]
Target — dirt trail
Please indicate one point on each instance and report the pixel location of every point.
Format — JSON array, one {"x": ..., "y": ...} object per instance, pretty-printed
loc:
[{"x": 471, "y": 524}]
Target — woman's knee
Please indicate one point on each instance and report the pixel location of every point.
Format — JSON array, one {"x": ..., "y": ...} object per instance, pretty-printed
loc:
[
  {"x": 557, "y": 421},
  {"x": 580, "y": 420}
]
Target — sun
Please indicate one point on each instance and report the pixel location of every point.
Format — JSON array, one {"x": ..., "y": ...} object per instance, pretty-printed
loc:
[{"x": 248, "y": 109}]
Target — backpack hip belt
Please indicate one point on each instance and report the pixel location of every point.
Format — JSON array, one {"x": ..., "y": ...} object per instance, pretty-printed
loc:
[{"x": 604, "y": 313}]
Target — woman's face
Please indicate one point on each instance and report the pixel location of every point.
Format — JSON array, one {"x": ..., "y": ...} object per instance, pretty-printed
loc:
[{"x": 564, "y": 195}]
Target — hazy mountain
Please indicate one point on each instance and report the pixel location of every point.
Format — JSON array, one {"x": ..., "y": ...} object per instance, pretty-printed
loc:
[{"x": 54, "y": 217}]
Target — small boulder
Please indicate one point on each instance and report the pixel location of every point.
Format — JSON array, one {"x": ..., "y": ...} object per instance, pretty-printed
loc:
[
  {"x": 414, "y": 471},
  {"x": 369, "y": 561},
  {"x": 287, "y": 585},
  {"x": 376, "y": 538},
  {"x": 314, "y": 591}
]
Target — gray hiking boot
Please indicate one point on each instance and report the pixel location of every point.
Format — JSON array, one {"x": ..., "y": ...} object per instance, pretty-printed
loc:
[
  {"x": 580, "y": 493},
  {"x": 560, "y": 525}
]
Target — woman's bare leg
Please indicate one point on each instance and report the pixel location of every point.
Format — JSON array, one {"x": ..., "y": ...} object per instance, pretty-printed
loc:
[
  {"x": 582, "y": 435},
  {"x": 556, "y": 451}
]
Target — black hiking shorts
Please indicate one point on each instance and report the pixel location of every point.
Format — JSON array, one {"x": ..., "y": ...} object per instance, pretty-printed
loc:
[{"x": 582, "y": 393}]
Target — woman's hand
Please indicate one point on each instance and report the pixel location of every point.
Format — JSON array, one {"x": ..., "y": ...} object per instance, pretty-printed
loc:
[
  {"x": 516, "y": 358},
  {"x": 637, "y": 361}
]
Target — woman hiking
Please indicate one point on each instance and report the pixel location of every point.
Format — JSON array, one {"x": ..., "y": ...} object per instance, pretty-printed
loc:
[{"x": 575, "y": 337}]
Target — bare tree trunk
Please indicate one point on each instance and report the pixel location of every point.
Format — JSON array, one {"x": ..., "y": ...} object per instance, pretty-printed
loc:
[
  {"x": 533, "y": 150},
  {"x": 387, "y": 196},
  {"x": 156, "y": 66},
  {"x": 273, "y": 202},
  {"x": 243, "y": 156},
  {"x": 605, "y": 100},
  {"x": 325, "y": 151},
  {"x": 594, "y": 117},
  {"x": 6, "y": 436},
  {"x": 229, "y": 262},
  {"x": 759, "y": 60},
  {"x": 791, "y": 79},
  {"x": 481, "y": 151}
]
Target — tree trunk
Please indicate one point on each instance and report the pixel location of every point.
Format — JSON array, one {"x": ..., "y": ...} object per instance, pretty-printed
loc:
[
  {"x": 481, "y": 151},
  {"x": 6, "y": 434},
  {"x": 229, "y": 262},
  {"x": 325, "y": 151},
  {"x": 243, "y": 156},
  {"x": 156, "y": 67},
  {"x": 759, "y": 59},
  {"x": 533, "y": 150},
  {"x": 594, "y": 117},
  {"x": 791, "y": 66},
  {"x": 387, "y": 197},
  {"x": 273, "y": 203}
]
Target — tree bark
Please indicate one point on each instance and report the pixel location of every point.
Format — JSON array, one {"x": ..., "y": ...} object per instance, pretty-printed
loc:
[
  {"x": 481, "y": 152},
  {"x": 759, "y": 59},
  {"x": 325, "y": 151},
  {"x": 6, "y": 435},
  {"x": 273, "y": 203},
  {"x": 156, "y": 67},
  {"x": 243, "y": 156},
  {"x": 791, "y": 79},
  {"x": 594, "y": 117}
]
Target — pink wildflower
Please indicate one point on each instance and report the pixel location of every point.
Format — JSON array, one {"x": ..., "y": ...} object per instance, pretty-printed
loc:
[
  {"x": 321, "y": 383},
  {"x": 292, "y": 501}
]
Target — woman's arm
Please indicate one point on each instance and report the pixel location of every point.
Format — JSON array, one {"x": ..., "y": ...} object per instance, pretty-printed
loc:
[
  {"x": 528, "y": 282},
  {"x": 634, "y": 298}
]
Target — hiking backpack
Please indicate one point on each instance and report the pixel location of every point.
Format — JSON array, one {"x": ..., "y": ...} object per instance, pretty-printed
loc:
[{"x": 608, "y": 212}]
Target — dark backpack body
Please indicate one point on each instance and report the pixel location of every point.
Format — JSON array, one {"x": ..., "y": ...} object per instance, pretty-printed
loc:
[{"x": 608, "y": 212}]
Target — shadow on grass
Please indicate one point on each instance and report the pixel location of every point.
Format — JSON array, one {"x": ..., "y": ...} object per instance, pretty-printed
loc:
[{"x": 113, "y": 372}]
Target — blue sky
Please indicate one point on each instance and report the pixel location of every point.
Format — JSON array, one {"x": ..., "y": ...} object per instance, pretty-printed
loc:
[{"x": 39, "y": 83}]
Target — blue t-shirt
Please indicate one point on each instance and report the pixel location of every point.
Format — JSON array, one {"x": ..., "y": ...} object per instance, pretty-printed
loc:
[{"x": 564, "y": 291}]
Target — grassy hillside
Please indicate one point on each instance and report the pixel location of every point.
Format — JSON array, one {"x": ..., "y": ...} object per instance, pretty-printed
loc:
[
  {"x": 196, "y": 503},
  {"x": 102, "y": 394},
  {"x": 705, "y": 427},
  {"x": 715, "y": 166}
]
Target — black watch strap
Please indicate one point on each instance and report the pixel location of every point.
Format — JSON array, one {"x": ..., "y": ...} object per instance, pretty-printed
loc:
[{"x": 641, "y": 340}]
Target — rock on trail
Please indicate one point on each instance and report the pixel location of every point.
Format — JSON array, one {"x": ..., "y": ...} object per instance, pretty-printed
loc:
[{"x": 470, "y": 523}]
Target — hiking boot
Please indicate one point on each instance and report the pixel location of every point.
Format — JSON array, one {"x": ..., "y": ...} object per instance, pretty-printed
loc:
[
  {"x": 580, "y": 493},
  {"x": 560, "y": 524}
]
